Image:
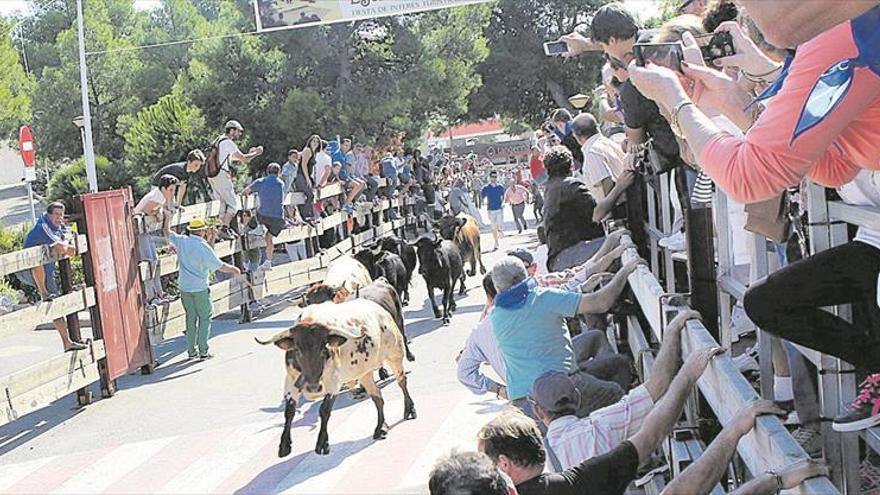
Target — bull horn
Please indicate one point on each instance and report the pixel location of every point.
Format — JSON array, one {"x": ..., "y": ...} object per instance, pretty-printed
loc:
[{"x": 275, "y": 338}]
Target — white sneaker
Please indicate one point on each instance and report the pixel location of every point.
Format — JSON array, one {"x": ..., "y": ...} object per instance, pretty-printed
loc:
[
  {"x": 740, "y": 324},
  {"x": 674, "y": 242},
  {"x": 266, "y": 266}
]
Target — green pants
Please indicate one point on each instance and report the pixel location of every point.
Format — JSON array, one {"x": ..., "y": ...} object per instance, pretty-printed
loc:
[{"x": 197, "y": 306}]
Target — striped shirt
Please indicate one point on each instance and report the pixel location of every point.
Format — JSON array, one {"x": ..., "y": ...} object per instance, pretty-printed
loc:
[{"x": 575, "y": 440}]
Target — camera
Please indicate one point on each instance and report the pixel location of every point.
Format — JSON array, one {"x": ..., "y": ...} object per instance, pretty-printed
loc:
[
  {"x": 666, "y": 54},
  {"x": 716, "y": 45}
]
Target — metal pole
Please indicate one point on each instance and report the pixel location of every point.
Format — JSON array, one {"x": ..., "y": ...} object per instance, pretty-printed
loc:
[
  {"x": 31, "y": 201},
  {"x": 88, "y": 150}
]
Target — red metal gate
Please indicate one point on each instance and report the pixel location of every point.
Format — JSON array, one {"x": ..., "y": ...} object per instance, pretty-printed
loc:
[{"x": 112, "y": 266}]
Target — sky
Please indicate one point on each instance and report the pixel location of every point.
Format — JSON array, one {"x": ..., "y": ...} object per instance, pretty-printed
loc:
[{"x": 643, "y": 9}]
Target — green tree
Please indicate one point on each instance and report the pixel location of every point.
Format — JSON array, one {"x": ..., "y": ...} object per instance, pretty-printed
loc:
[
  {"x": 15, "y": 87},
  {"x": 160, "y": 134},
  {"x": 70, "y": 180},
  {"x": 111, "y": 76},
  {"x": 519, "y": 81}
]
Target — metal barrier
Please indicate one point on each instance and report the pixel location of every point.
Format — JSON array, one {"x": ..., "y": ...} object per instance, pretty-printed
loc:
[
  {"x": 723, "y": 386},
  {"x": 35, "y": 387}
]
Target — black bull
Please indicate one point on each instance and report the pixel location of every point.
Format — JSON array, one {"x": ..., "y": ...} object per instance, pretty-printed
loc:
[{"x": 441, "y": 266}]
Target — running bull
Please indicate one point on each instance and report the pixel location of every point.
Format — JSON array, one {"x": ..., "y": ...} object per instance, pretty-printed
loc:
[
  {"x": 333, "y": 344},
  {"x": 465, "y": 233}
]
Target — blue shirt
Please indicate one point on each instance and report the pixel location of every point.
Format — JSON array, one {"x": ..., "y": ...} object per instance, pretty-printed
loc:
[
  {"x": 494, "y": 195},
  {"x": 45, "y": 234},
  {"x": 196, "y": 261},
  {"x": 270, "y": 190},
  {"x": 388, "y": 168},
  {"x": 533, "y": 338},
  {"x": 406, "y": 173}
]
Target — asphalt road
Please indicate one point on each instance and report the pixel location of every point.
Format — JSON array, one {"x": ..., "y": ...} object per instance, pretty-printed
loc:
[{"x": 214, "y": 426}]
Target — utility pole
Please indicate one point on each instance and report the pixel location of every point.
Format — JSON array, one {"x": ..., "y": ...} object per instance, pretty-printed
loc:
[{"x": 88, "y": 148}]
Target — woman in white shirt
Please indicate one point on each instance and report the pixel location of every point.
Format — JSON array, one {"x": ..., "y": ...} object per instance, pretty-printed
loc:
[
  {"x": 323, "y": 165},
  {"x": 153, "y": 207}
]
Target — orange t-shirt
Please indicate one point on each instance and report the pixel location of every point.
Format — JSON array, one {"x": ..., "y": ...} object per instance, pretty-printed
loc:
[{"x": 770, "y": 158}]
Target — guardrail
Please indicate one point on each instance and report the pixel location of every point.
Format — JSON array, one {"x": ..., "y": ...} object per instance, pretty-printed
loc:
[
  {"x": 769, "y": 445},
  {"x": 167, "y": 320},
  {"x": 37, "y": 386}
]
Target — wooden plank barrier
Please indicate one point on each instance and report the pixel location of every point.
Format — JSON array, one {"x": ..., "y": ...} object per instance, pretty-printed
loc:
[
  {"x": 166, "y": 321},
  {"x": 769, "y": 445},
  {"x": 37, "y": 386}
]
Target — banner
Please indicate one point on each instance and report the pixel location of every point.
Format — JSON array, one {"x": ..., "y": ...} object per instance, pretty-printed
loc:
[{"x": 273, "y": 15}]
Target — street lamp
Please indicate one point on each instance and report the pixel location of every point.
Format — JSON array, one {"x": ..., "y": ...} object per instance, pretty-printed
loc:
[
  {"x": 579, "y": 101},
  {"x": 79, "y": 122}
]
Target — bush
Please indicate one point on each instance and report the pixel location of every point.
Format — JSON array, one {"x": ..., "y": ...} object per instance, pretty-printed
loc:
[{"x": 71, "y": 180}]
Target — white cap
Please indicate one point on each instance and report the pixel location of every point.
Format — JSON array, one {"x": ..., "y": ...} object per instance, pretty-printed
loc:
[{"x": 233, "y": 124}]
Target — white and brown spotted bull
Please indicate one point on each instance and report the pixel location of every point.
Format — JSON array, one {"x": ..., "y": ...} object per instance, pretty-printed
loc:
[
  {"x": 464, "y": 231},
  {"x": 346, "y": 276},
  {"x": 337, "y": 343}
]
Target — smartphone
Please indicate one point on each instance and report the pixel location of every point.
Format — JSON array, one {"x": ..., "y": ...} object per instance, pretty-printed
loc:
[
  {"x": 555, "y": 48},
  {"x": 666, "y": 54},
  {"x": 715, "y": 45}
]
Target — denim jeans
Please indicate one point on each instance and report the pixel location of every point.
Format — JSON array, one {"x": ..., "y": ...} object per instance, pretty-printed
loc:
[{"x": 518, "y": 219}]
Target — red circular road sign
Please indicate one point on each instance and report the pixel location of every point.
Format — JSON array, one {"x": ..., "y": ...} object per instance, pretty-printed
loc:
[{"x": 26, "y": 145}]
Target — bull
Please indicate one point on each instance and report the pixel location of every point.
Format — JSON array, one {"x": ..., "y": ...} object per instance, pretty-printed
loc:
[
  {"x": 465, "y": 233},
  {"x": 384, "y": 264},
  {"x": 334, "y": 344},
  {"x": 381, "y": 293},
  {"x": 345, "y": 276},
  {"x": 441, "y": 266},
  {"x": 407, "y": 253}
]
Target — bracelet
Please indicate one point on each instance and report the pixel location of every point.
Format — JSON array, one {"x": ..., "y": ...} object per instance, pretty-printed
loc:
[
  {"x": 675, "y": 125},
  {"x": 778, "y": 480},
  {"x": 759, "y": 78}
]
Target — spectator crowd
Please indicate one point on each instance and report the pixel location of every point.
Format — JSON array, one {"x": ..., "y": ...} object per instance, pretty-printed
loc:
[{"x": 764, "y": 97}]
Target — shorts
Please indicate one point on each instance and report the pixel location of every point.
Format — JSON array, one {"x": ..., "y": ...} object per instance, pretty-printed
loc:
[
  {"x": 224, "y": 192},
  {"x": 27, "y": 278},
  {"x": 274, "y": 225},
  {"x": 496, "y": 218}
]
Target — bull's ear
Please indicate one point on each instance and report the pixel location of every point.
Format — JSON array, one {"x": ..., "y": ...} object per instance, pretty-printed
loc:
[
  {"x": 335, "y": 341},
  {"x": 284, "y": 343},
  {"x": 460, "y": 221}
]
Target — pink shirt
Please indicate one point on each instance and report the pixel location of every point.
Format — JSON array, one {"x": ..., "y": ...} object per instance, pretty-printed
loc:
[
  {"x": 759, "y": 166},
  {"x": 516, "y": 194}
]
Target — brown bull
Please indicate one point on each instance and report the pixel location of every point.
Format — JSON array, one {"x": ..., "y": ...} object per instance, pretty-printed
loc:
[
  {"x": 337, "y": 343},
  {"x": 465, "y": 233}
]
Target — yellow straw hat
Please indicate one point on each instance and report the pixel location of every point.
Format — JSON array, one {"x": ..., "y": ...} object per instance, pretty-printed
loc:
[{"x": 196, "y": 224}]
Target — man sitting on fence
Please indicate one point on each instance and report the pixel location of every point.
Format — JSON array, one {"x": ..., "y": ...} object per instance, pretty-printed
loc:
[
  {"x": 196, "y": 262},
  {"x": 50, "y": 231},
  {"x": 529, "y": 325},
  {"x": 270, "y": 211}
]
